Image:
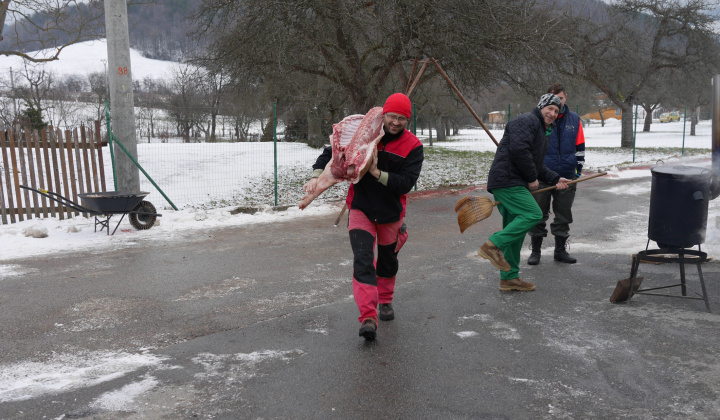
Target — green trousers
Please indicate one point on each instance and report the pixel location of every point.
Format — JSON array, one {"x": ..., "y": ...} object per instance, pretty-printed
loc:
[{"x": 520, "y": 213}]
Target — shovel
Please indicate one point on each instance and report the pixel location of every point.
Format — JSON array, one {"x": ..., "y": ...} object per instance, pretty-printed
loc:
[{"x": 622, "y": 289}]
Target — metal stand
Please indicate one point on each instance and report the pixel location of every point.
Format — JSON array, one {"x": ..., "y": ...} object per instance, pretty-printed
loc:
[
  {"x": 684, "y": 256},
  {"x": 105, "y": 224}
]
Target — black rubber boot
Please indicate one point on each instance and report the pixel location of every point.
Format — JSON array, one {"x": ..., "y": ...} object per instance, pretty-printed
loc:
[
  {"x": 560, "y": 252},
  {"x": 536, "y": 243}
]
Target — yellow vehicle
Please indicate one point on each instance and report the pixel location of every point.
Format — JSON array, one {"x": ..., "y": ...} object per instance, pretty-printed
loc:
[{"x": 670, "y": 116}]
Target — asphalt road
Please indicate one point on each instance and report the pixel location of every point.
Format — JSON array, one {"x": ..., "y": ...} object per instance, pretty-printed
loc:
[{"x": 258, "y": 322}]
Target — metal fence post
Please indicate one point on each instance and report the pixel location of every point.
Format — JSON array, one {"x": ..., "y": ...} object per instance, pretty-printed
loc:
[
  {"x": 684, "y": 123},
  {"x": 275, "y": 150},
  {"x": 635, "y": 132}
]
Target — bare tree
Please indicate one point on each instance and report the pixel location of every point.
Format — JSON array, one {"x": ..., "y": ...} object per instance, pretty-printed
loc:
[
  {"x": 364, "y": 49},
  {"x": 215, "y": 84},
  {"x": 64, "y": 113},
  {"x": 184, "y": 103},
  {"x": 52, "y": 24},
  {"x": 693, "y": 89},
  {"x": 621, "y": 48},
  {"x": 100, "y": 93}
]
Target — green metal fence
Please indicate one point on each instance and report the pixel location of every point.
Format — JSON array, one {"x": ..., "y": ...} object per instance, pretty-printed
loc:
[{"x": 194, "y": 172}]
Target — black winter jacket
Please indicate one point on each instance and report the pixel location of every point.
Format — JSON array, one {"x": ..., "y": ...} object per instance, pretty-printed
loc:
[
  {"x": 519, "y": 159},
  {"x": 401, "y": 156}
]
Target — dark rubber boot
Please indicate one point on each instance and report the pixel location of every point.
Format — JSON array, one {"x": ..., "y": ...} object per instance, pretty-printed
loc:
[
  {"x": 560, "y": 252},
  {"x": 536, "y": 243}
]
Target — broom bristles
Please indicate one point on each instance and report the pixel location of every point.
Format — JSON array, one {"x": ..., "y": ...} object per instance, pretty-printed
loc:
[{"x": 471, "y": 210}]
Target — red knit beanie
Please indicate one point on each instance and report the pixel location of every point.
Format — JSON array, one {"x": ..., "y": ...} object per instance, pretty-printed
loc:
[{"x": 399, "y": 104}]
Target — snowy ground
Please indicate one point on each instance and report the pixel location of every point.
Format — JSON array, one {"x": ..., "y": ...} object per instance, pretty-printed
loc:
[{"x": 72, "y": 370}]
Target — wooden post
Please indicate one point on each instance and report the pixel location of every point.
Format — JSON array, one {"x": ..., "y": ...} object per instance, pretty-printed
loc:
[
  {"x": 48, "y": 172},
  {"x": 6, "y": 165},
  {"x": 86, "y": 150},
  {"x": 71, "y": 169},
  {"x": 14, "y": 163},
  {"x": 30, "y": 168},
  {"x": 39, "y": 168},
  {"x": 63, "y": 168}
]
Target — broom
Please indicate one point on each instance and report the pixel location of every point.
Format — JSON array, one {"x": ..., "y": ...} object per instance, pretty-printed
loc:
[{"x": 471, "y": 210}]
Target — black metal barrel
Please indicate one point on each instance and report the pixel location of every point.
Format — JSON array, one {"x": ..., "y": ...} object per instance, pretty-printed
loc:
[{"x": 679, "y": 205}]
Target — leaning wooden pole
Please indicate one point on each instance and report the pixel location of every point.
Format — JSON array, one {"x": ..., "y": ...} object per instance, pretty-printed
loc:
[
  {"x": 457, "y": 92},
  {"x": 417, "y": 78}
]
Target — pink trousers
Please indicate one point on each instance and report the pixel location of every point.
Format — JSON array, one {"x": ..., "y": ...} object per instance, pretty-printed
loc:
[{"x": 374, "y": 272}]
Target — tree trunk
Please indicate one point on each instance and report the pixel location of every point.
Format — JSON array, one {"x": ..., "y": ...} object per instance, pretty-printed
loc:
[
  {"x": 648, "y": 119},
  {"x": 626, "y": 136},
  {"x": 314, "y": 137},
  {"x": 440, "y": 129},
  {"x": 693, "y": 122},
  {"x": 213, "y": 125},
  {"x": 268, "y": 131}
]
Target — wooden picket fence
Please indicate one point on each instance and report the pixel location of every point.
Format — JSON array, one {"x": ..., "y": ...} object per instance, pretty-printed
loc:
[{"x": 67, "y": 163}]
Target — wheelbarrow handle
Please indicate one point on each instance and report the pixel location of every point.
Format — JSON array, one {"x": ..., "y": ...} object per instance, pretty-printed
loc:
[{"x": 61, "y": 200}]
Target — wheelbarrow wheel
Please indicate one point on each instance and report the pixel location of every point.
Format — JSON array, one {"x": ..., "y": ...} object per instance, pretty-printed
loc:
[{"x": 143, "y": 221}]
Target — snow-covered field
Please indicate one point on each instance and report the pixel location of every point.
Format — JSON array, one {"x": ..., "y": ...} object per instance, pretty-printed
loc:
[{"x": 17, "y": 241}]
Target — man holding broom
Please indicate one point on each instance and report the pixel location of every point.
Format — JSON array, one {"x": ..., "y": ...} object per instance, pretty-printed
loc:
[{"x": 516, "y": 170}]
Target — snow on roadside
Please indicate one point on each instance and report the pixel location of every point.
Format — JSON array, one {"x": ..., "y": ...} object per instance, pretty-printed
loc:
[
  {"x": 78, "y": 234},
  {"x": 65, "y": 372}
]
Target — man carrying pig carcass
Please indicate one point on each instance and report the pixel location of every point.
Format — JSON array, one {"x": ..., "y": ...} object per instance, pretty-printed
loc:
[{"x": 376, "y": 206}]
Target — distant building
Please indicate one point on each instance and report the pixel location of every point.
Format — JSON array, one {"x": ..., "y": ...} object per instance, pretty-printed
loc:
[
  {"x": 497, "y": 117},
  {"x": 607, "y": 114}
]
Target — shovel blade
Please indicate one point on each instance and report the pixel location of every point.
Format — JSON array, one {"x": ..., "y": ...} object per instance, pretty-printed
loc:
[{"x": 622, "y": 290}]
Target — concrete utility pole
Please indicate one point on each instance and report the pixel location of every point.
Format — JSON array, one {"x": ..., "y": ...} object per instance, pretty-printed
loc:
[
  {"x": 12, "y": 86},
  {"x": 122, "y": 116}
]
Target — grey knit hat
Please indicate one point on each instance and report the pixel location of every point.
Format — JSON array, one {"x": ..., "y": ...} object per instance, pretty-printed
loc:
[{"x": 549, "y": 99}]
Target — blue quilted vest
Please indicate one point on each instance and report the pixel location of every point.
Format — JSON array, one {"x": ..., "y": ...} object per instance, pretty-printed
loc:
[{"x": 561, "y": 152}]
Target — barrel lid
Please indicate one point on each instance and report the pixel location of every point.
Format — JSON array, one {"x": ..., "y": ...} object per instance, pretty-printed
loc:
[{"x": 679, "y": 171}]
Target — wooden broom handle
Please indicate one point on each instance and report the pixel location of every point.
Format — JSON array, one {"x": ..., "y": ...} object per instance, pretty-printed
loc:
[{"x": 571, "y": 182}]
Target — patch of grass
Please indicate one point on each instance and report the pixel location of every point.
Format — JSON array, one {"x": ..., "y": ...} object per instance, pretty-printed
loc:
[
  {"x": 442, "y": 169},
  {"x": 445, "y": 168}
]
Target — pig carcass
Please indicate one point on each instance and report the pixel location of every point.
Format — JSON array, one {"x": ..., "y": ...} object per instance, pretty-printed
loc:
[{"x": 353, "y": 141}]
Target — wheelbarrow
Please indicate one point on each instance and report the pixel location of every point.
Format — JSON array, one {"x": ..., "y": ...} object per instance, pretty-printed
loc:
[{"x": 104, "y": 205}]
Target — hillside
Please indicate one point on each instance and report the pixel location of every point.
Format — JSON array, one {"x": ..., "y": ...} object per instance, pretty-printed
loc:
[
  {"x": 91, "y": 57},
  {"x": 159, "y": 30}
]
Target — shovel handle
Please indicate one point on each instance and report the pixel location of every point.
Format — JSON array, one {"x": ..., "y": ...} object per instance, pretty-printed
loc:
[
  {"x": 337, "y": 221},
  {"x": 571, "y": 182}
]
